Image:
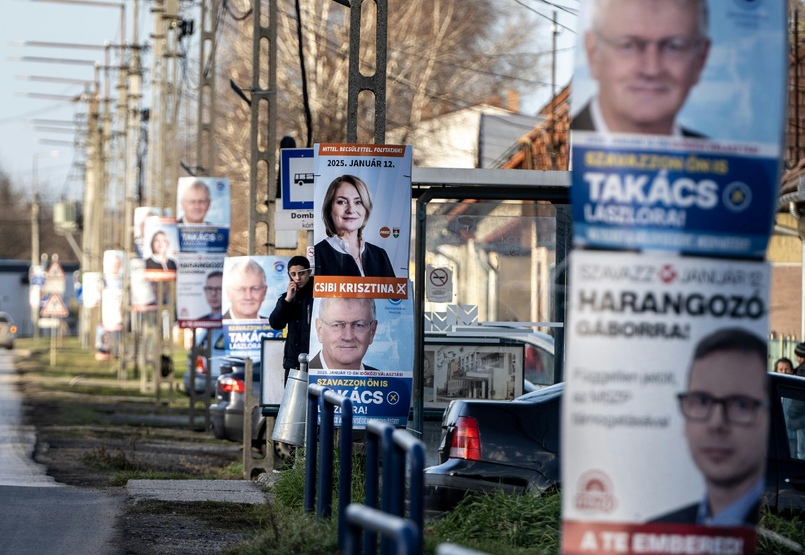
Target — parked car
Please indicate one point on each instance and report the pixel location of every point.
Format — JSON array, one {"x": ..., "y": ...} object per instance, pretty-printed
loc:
[
  {"x": 514, "y": 446},
  {"x": 8, "y": 331},
  {"x": 227, "y": 412},
  {"x": 200, "y": 362}
]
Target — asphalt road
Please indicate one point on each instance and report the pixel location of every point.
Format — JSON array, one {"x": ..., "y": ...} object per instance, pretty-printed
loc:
[{"x": 38, "y": 515}]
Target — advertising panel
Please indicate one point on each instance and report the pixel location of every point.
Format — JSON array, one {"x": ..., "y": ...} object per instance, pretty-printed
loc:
[
  {"x": 203, "y": 214},
  {"x": 114, "y": 262},
  {"x": 677, "y": 124},
  {"x": 92, "y": 287},
  {"x": 665, "y": 407},
  {"x": 103, "y": 344},
  {"x": 160, "y": 249},
  {"x": 467, "y": 371},
  {"x": 251, "y": 287},
  {"x": 143, "y": 292},
  {"x": 112, "y": 307},
  {"x": 363, "y": 349},
  {"x": 141, "y": 213},
  {"x": 362, "y": 229},
  {"x": 199, "y": 290}
]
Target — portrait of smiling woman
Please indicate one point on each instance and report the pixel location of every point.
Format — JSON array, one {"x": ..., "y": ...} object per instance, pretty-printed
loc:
[
  {"x": 345, "y": 211},
  {"x": 159, "y": 259}
]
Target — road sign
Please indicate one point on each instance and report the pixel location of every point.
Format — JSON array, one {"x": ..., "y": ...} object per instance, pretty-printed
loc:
[
  {"x": 49, "y": 323},
  {"x": 296, "y": 174},
  {"x": 54, "y": 279},
  {"x": 439, "y": 287},
  {"x": 55, "y": 271},
  {"x": 294, "y": 219},
  {"x": 54, "y": 307}
]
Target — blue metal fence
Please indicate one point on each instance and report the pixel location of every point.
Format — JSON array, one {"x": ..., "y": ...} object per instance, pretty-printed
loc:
[{"x": 402, "y": 534}]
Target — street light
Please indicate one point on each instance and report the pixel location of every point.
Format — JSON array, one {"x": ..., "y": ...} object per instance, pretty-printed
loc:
[{"x": 35, "y": 228}]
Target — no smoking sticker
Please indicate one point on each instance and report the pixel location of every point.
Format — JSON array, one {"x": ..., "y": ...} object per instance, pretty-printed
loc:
[{"x": 439, "y": 285}]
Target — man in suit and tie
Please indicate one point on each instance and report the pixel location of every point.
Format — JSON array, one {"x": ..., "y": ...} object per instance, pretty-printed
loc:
[
  {"x": 345, "y": 328},
  {"x": 646, "y": 56}
]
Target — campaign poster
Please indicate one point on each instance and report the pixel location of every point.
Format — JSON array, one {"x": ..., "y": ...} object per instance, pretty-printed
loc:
[
  {"x": 103, "y": 344},
  {"x": 362, "y": 227},
  {"x": 91, "y": 289},
  {"x": 199, "y": 290},
  {"x": 143, "y": 292},
  {"x": 141, "y": 213},
  {"x": 114, "y": 263},
  {"x": 364, "y": 349},
  {"x": 112, "y": 307},
  {"x": 203, "y": 214},
  {"x": 678, "y": 112},
  {"x": 667, "y": 442},
  {"x": 251, "y": 287},
  {"x": 160, "y": 249}
]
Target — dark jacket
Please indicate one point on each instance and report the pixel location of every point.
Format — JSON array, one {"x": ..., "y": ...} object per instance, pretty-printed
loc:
[
  {"x": 583, "y": 121},
  {"x": 315, "y": 364},
  {"x": 154, "y": 264},
  {"x": 296, "y": 315},
  {"x": 330, "y": 262},
  {"x": 689, "y": 513}
]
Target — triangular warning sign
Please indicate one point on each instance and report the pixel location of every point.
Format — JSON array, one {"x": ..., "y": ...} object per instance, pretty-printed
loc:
[
  {"x": 54, "y": 307},
  {"x": 55, "y": 271}
]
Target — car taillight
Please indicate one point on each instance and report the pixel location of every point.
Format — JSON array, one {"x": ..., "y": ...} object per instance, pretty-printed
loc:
[
  {"x": 466, "y": 442},
  {"x": 200, "y": 371},
  {"x": 13, "y": 329},
  {"x": 230, "y": 384}
]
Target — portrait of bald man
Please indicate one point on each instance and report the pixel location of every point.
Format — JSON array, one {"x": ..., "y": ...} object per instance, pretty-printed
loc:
[
  {"x": 246, "y": 290},
  {"x": 646, "y": 56},
  {"x": 195, "y": 202},
  {"x": 345, "y": 328}
]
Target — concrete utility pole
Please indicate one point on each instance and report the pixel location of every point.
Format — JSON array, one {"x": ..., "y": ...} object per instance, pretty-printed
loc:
[
  {"x": 130, "y": 179},
  {"x": 263, "y": 193},
  {"x": 35, "y": 229},
  {"x": 357, "y": 81}
]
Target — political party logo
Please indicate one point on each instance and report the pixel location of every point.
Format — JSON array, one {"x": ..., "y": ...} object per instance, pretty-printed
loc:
[
  {"x": 279, "y": 267},
  {"x": 737, "y": 196},
  {"x": 667, "y": 274},
  {"x": 396, "y": 232},
  {"x": 220, "y": 185},
  {"x": 395, "y": 302},
  {"x": 595, "y": 493},
  {"x": 184, "y": 313},
  {"x": 385, "y": 232}
]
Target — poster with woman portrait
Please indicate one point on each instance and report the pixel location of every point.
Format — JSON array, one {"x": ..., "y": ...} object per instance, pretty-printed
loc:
[
  {"x": 143, "y": 292},
  {"x": 160, "y": 249},
  {"x": 362, "y": 230}
]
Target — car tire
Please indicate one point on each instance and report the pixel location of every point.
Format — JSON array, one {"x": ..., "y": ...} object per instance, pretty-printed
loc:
[{"x": 9, "y": 347}]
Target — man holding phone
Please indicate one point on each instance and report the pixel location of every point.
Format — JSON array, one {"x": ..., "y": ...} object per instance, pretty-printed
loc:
[{"x": 294, "y": 309}]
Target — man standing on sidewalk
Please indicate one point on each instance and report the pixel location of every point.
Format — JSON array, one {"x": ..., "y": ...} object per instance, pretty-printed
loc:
[{"x": 294, "y": 309}]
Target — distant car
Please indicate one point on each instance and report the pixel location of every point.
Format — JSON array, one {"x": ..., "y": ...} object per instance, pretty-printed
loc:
[
  {"x": 8, "y": 331},
  {"x": 513, "y": 446},
  {"x": 200, "y": 362},
  {"x": 227, "y": 412}
]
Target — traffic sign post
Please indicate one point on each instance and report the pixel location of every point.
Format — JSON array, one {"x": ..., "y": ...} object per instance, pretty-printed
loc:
[{"x": 54, "y": 308}]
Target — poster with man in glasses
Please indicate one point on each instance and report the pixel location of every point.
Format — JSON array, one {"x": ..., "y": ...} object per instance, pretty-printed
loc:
[
  {"x": 199, "y": 290},
  {"x": 363, "y": 349},
  {"x": 669, "y": 441},
  {"x": 677, "y": 115},
  {"x": 203, "y": 214},
  {"x": 250, "y": 284}
]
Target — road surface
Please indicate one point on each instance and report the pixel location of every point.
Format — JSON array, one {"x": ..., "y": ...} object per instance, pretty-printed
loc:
[{"x": 38, "y": 515}]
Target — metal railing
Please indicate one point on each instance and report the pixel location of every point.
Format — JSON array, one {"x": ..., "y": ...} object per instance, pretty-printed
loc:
[
  {"x": 319, "y": 397},
  {"x": 404, "y": 534}
]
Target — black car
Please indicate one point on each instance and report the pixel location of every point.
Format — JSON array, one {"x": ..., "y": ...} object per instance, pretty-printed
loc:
[
  {"x": 227, "y": 412},
  {"x": 514, "y": 446}
]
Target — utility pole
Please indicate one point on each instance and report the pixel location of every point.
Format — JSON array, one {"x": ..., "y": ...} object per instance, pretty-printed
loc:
[
  {"x": 35, "y": 253},
  {"x": 552, "y": 146},
  {"x": 267, "y": 98},
  {"x": 131, "y": 176}
]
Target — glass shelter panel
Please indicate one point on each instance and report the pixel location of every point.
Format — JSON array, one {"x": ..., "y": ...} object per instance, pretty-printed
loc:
[{"x": 500, "y": 259}]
